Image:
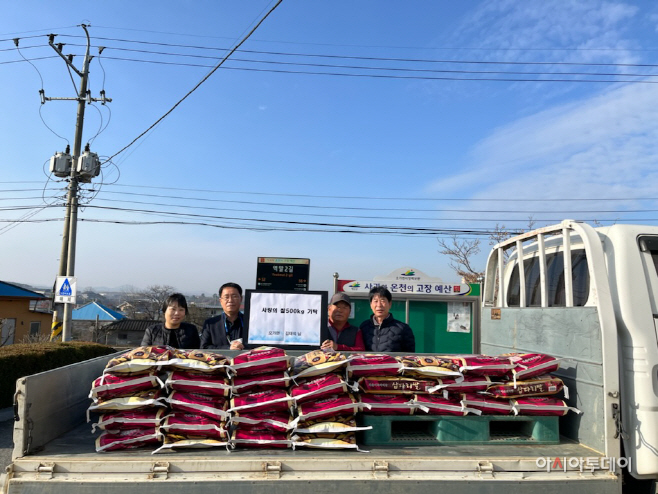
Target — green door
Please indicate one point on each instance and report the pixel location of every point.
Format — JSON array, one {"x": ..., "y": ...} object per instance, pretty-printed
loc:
[{"x": 429, "y": 321}]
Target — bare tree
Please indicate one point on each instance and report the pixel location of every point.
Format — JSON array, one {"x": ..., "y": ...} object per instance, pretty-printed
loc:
[
  {"x": 147, "y": 303},
  {"x": 6, "y": 335},
  {"x": 461, "y": 253},
  {"x": 36, "y": 338}
]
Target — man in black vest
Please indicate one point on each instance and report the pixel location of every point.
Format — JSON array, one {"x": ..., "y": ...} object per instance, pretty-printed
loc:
[
  {"x": 343, "y": 336},
  {"x": 383, "y": 333}
]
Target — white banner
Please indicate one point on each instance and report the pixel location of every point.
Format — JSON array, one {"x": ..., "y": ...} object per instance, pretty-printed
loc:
[{"x": 285, "y": 318}]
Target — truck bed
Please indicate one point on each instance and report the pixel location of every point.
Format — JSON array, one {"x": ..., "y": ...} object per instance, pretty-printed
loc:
[{"x": 55, "y": 452}]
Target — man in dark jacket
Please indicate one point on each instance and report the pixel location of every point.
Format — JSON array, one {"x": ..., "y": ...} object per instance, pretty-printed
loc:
[
  {"x": 225, "y": 331},
  {"x": 383, "y": 333},
  {"x": 342, "y": 335},
  {"x": 174, "y": 332}
]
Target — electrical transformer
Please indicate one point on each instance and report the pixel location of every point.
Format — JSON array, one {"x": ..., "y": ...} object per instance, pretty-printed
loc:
[
  {"x": 60, "y": 165},
  {"x": 88, "y": 166}
]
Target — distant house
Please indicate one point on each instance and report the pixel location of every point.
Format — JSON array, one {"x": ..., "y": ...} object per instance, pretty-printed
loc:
[
  {"x": 124, "y": 333},
  {"x": 90, "y": 318},
  {"x": 23, "y": 313},
  {"x": 126, "y": 307}
]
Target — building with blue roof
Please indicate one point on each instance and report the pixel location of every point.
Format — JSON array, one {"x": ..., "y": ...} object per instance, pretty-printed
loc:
[
  {"x": 94, "y": 311},
  {"x": 23, "y": 314},
  {"x": 88, "y": 320}
]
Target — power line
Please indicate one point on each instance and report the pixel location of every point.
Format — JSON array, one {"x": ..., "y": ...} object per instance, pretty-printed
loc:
[
  {"x": 200, "y": 82},
  {"x": 379, "y": 198},
  {"x": 396, "y": 59},
  {"x": 319, "y": 196},
  {"x": 357, "y": 208},
  {"x": 397, "y": 47},
  {"x": 389, "y": 76},
  {"x": 343, "y": 57},
  {"x": 364, "y": 67},
  {"x": 387, "y": 218}
]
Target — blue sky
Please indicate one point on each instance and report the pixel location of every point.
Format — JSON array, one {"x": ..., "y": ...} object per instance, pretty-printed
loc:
[{"x": 417, "y": 146}]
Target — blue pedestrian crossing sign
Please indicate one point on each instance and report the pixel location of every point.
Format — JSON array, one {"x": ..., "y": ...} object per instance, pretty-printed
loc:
[{"x": 65, "y": 290}]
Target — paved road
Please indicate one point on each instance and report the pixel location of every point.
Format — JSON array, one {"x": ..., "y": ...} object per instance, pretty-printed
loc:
[
  {"x": 6, "y": 439},
  {"x": 6, "y": 444}
]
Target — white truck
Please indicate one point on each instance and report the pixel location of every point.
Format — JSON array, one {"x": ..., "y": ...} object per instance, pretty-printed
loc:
[{"x": 586, "y": 295}]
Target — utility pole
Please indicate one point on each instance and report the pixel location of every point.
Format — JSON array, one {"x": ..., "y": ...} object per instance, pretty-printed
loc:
[{"x": 67, "y": 256}]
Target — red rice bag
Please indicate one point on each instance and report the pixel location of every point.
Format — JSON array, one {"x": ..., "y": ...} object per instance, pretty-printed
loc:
[
  {"x": 208, "y": 384},
  {"x": 372, "y": 364},
  {"x": 467, "y": 384},
  {"x": 315, "y": 389},
  {"x": 343, "y": 404},
  {"x": 261, "y": 360},
  {"x": 346, "y": 440},
  {"x": 438, "y": 405},
  {"x": 110, "y": 386},
  {"x": 275, "y": 421},
  {"x": 331, "y": 425},
  {"x": 127, "y": 439},
  {"x": 260, "y": 439},
  {"x": 318, "y": 362},
  {"x": 537, "y": 386},
  {"x": 488, "y": 406},
  {"x": 191, "y": 425},
  {"x": 260, "y": 382},
  {"x": 141, "y": 399},
  {"x": 395, "y": 385},
  {"x": 270, "y": 400},
  {"x": 429, "y": 366},
  {"x": 388, "y": 404},
  {"x": 200, "y": 361},
  {"x": 542, "y": 405},
  {"x": 211, "y": 406},
  {"x": 140, "y": 360},
  {"x": 483, "y": 365},
  {"x": 528, "y": 365},
  {"x": 122, "y": 420}
]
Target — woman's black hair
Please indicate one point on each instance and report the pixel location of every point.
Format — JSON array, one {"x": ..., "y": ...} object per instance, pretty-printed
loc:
[{"x": 177, "y": 298}]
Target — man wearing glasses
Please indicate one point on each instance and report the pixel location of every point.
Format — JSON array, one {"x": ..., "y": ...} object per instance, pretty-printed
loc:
[{"x": 225, "y": 331}]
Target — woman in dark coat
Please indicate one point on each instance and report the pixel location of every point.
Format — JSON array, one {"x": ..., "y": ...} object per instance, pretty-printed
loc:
[{"x": 174, "y": 332}]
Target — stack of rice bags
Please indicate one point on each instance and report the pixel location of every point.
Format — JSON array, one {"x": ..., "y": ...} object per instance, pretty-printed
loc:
[
  {"x": 260, "y": 403},
  {"x": 199, "y": 389},
  {"x": 129, "y": 398},
  {"x": 324, "y": 402},
  {"x": 518, "y": 384}
]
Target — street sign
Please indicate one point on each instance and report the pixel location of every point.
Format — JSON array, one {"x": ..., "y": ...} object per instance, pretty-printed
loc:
[
  {"x": 282, "y": 274},
  {"x": 65, "y": 290}
]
